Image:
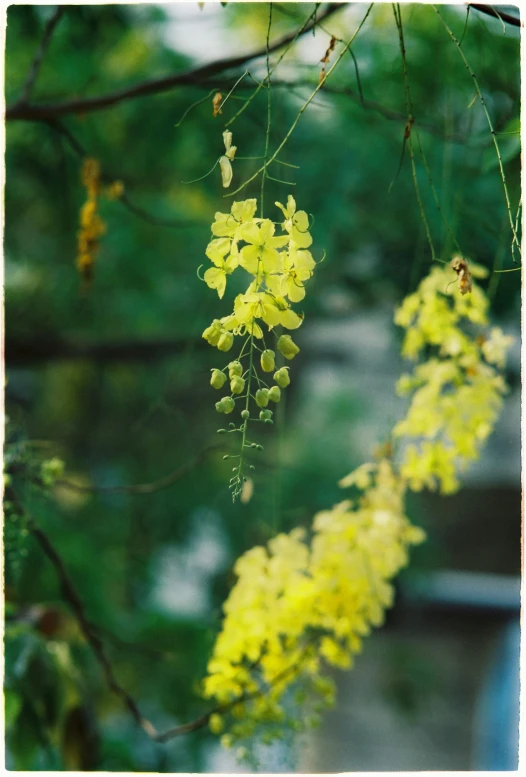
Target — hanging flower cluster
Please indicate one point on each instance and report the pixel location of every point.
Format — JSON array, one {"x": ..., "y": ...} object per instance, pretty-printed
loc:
[
  {"x": 304, "y": 602},
  {"x": 299, "y": 605},
  {"x": 278, "y": 266},
  {"x": 92, "y": 227},
  {"x": 456, "y": 392}
]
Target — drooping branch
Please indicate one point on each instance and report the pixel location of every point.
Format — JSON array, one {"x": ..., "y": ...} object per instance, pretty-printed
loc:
[{"x": 24, "y": 111}]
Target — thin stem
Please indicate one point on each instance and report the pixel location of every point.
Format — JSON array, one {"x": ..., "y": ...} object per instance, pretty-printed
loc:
[
  {"x": 303, "y": 108},
  {"x": 410, "y": 121},
  {"x": 283, "y": 53},
  {"x": 514, "y": 242},
  {"x": 269, "y": 108}
]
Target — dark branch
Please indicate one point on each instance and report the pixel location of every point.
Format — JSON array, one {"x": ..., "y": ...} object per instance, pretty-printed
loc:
[
  {"x": 490, "y": 11},
  {"x": 39, "y": 56},
  {"x": 26, "y": 112},
  {"x": 144, "y": 488},
  {"x": 40, "y": 351}
]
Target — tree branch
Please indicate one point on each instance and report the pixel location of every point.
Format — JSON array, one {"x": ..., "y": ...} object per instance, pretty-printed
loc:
[
  {"x": 490, "y": 11},
  {"x": 39, "y": 56},
  {"x": 35, "y": 112},
  {"x": 35, "y": 351}
]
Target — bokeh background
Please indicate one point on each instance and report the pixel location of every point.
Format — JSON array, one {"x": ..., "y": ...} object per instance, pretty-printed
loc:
[{"x": 114, "y": 379}]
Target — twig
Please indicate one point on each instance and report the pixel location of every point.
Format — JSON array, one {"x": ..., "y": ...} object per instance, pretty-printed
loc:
[
  {"x": 36, "y": 112},
  {"x": 144, "y": 488},
  {"x": 39, "y": 56}
]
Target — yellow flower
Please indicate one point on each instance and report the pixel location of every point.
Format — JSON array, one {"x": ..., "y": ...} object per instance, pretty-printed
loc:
[
  {"x": 261, "y": 249},
  {"x": 215, "y": 277},
  {"x": 296, "y": 223},
  {"x": 496, "y": 346}
]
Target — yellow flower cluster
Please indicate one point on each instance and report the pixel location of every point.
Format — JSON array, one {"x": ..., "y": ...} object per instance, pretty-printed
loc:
[
  {"x": 304, "y": 602},
  {"x": 92, "y": 227},
  {"x": 277, "y": 266},
  {"x": 298, "y": 604},
  {"x": 456, "y": 393}
]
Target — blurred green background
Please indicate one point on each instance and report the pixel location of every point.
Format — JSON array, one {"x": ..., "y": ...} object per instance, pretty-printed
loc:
[{"x": 114, "y": 379}]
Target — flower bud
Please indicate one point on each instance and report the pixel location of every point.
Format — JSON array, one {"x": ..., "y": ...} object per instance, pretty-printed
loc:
[
  {"x": 268, "y": 361},
  {"x": 237, "y": 384},
  {"x": 265, "y": 415},
  {"x": 262, "y": 397},
  {"x": 245, "y": 414},
  {"x": 226, "y": 171},
  {"x": 274, "y": 394},
  {"x": 287, "y": 347},
  {"x": 213, "y": 332},
  {"x": 228, "y": 404},
  {"x": 281, "y": 377},
  {"x": 235, "y": 368},
  {"x": 218, "y": 379},
  {"x": 226, "y": 341}
]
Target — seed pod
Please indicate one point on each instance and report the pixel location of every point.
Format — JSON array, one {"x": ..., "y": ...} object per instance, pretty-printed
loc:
[
  {"x": 237, "y": 384},
  {"x": 287, "y": 347},
  {"x": 265, "y": 415},
  {"x": 274, "y": 394},
  {"x": 235, "y": 368},
  {"x": 262, "y": 397},
  {"x": 226, "y": 341},
  {"x": 218, "y": 379},
  {"x": 245, "y": 414},
  {"x": 268, "y": 361}
]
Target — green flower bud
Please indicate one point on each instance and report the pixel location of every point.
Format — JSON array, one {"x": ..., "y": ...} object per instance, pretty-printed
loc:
[
  {"x": 225, "y": 405},
  {"x": 228, "y": 404},
  {"x": 226, "y": 341},
  {"x": 281, "y": 377},
  {"x": 218, "y": 379},
  {"x": 287, "y": 347},
  {"x": 262, "y": 397},
  {"x": 265, "y": 415},
  {"x": 213, "y": 332},
  {"x": 235, "y": 368},
  {"x": 245, "y": 414},
  {"x": 274, "y": 394},
  {"x": 268, "y": 361},
  {"x": 237, "y": 384}
]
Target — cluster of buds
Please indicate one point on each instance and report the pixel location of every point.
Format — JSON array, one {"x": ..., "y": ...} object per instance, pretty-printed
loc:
[{"x": 277, "y": 266}]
